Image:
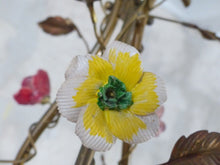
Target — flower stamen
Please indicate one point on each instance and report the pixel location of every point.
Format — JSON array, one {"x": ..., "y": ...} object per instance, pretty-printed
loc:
[{"x": 114, "y": 96}]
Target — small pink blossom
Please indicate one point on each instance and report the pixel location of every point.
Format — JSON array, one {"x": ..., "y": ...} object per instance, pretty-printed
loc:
[
  {"x": 160, "y": 112},
  {"x": 34, "y": 89}
]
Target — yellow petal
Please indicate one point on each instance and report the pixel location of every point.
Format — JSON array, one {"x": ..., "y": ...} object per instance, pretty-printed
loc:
[
  {"x": 128, "y": 69},
  {"x": 123, "y": 124},
  {"x": 92, "y": 129},
  {"x": 152, "y": 130},
  {"x": 145, "y": 99},
  {"x": 65, "y": 101},
  {"x": 100, "y": 68},
  {"x": 86, "y": 91}
]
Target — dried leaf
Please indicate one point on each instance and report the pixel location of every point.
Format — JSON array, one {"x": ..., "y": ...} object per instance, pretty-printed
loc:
[
  {"x": 186, "y": 2},
  {"x": 57, "y": 25},
  {"x": 200, "y": 148},
  {"x": 208, "y": 35}
]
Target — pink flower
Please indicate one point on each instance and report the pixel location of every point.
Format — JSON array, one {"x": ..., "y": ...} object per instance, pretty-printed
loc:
[
  {"x": 34, "y": 89},
  {"x": 159, "y": 113}
]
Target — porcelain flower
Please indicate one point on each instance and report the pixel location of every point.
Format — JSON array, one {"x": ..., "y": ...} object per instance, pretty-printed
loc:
[
  {"x": 34, "y": 89},
  {"x": 111, "y": 97}
]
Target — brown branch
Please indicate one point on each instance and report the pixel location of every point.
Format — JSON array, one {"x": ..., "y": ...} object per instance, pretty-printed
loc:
[
  {"x": 205, "y": 33},
  {"x": 158, "y": 4},
  {"x": 136, "y": 28},
  {"x": 125, "y": 154},
  {"x": 94, "y": 20},
  {"x": 83, "y": 38},
  {"x": 103, "y": 159},
  {"x": 85, "y": 156},
  {"x": 110, "y": 26},
  {"x": 127, "y": 149},
  {"x": 35, "y": 131},
  {"x": 28, "y": 157}
]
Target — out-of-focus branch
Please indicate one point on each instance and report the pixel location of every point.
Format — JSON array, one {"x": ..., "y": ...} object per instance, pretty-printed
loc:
[
  {"x": 94, "y": 20},
  {"x": 84, "y": 40},
  {"x": 127, "y": 149},
  {"x": 158, "y": 4},
  {"x": 50, "y": 117},
  {"x": 205, "y": 33},
  {"x": 110, "y": 25},
  {"x": 85, "y": 156}
]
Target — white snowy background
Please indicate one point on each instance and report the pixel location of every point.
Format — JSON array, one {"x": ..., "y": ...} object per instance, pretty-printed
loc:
[{"x": 189, "y": 65}]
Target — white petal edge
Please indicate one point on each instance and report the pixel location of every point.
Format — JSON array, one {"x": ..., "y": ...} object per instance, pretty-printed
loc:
[
  {"x": 65, "y": 101},
  {"x": 78, "y": 67},
  {"x": 95, "y": 143},
  {"x": 160, "y": 90},
  {"x": 120, "y": 47},
  {"x": 152, "y": 130}
]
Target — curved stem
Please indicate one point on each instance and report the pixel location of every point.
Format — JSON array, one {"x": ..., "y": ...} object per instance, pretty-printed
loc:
[
  {"x": 110, "y": 26},
  {"x": 35, "y": 132}
]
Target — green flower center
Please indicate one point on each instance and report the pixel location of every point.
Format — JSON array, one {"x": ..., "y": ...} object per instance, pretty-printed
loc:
[{"x": 114, "y": 96}]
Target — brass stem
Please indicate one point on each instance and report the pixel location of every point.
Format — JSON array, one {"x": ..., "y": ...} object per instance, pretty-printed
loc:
[
  {"x": 85, "y": 156},
  {"x": 35, "y": 132},
  {"x": 110, "y": 26},
  {"x": 136, "y": 29}
]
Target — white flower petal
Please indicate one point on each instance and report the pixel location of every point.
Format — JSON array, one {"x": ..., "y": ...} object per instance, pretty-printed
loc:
[
  {"x": 78, "y": 67},
  {"x": 120, "y": 47},
  {"x": 160, "y": 90},
  {"x": 96, "y": 142},
  {"x": 152, "y": 130},
  {"x": 65, "y": 101}
]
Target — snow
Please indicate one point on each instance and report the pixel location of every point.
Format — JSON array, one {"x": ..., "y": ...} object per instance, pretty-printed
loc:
[{"x": 189, "y": 65}]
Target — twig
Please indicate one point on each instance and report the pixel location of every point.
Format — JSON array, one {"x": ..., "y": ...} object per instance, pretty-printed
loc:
[
  {"x": 126, "y": 151},
  {"x": 205, "y": 33},
  {"x": 110, "y": 26},
  {"x": 83, "y": 38},
  {"x": 35, "y": 131},
  {"x": 131, "y": 20},
  {"x": 158, "y": 4},
  {"x": 28, "y": 157},
  {"x": 85, "y": 156},
  {"x": 94, "y": 20},
  {"x": 103, "y": 159},
  {"x": 103, "y": 7}
]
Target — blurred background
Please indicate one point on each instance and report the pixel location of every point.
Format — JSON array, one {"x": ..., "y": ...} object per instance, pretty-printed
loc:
[{"x": 189, "y": 64}]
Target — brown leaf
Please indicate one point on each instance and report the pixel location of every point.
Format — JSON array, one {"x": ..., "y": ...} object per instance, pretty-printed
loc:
[
  {"x": 186, "y": 2},
  {"x": 57, "y": 25},
  {"x": 200, "y": 148},
  {"x": 208, "y": 35}
]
